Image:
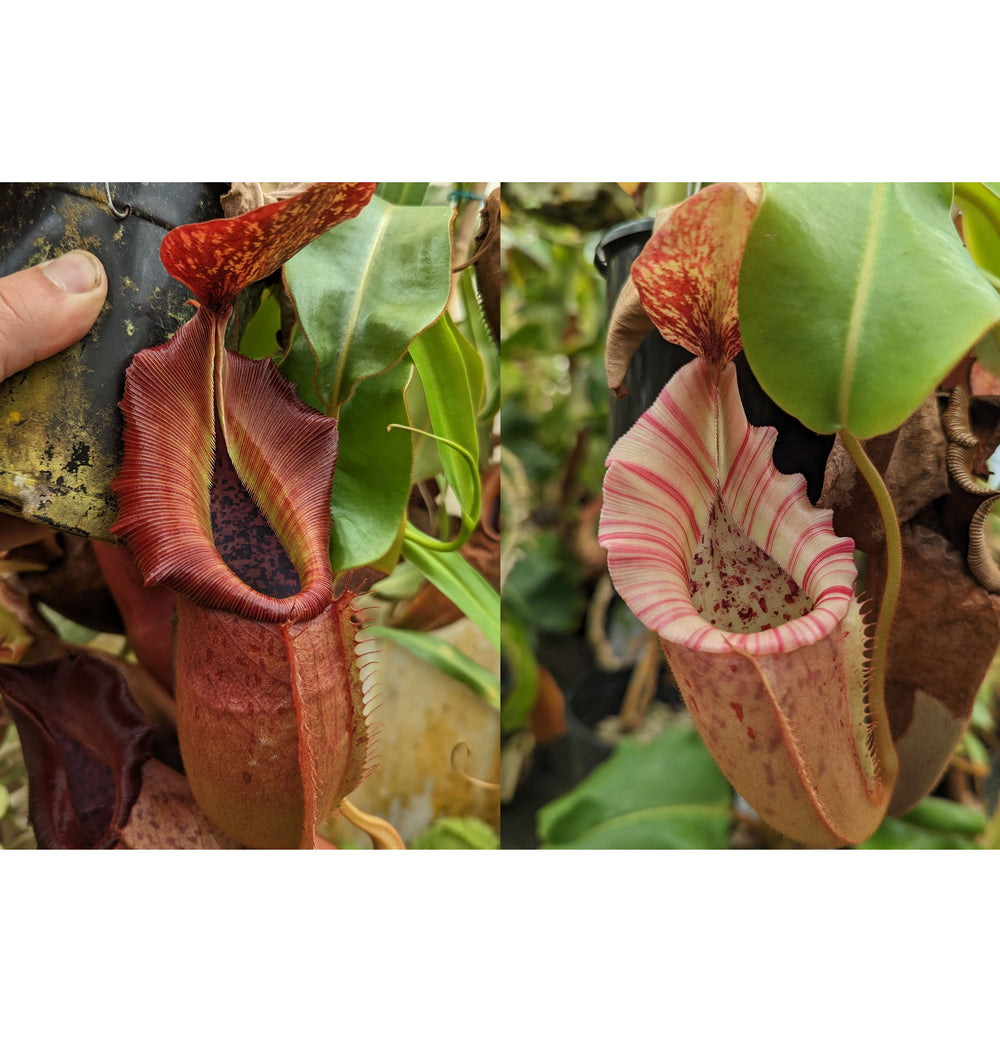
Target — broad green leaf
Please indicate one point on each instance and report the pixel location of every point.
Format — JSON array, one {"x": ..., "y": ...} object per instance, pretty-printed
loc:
[
  {"x": 452, "y": 376},
  {"x": 371, "y": 483},
  {"x": 671, "y": 827},
  {"x": 401, "y": 194},
  {"x": 446, "y": 658},
  {"x": 856, "y": 299},
  {"x": 664, "y": 794},
  {"x": 362, "y": 292},
  {"x": 466, "y": 587}
]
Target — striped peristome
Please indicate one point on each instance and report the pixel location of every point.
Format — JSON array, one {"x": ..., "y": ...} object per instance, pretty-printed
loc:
[{"x": 691, "y": 453}]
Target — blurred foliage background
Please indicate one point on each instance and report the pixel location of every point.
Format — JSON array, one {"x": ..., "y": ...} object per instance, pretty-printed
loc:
[
  {"x": 555, "y": 397},
  {"x": 555, "y": 436}
]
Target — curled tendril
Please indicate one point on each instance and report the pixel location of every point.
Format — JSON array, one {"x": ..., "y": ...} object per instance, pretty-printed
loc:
[{"x": 481, "y": 783}]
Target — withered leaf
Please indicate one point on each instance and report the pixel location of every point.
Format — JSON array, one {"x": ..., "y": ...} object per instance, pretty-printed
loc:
[
  {"x": 84, "y": 743},
  {"x": 935, "y": 664}
]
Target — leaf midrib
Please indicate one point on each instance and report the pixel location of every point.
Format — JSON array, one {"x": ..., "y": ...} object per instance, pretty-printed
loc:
[
  {"x": 336, "y": 394},
  {"x": 862, "y": 294}
]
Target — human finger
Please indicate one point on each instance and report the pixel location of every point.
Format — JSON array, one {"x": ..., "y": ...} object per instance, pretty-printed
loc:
[{"x": 48, "y": 307}]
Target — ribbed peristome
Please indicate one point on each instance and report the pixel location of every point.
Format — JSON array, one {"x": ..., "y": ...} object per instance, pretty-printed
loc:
[{"x": 183, "y": 399}]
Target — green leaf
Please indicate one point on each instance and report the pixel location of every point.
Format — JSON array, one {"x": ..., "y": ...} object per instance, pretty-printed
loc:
[
  {"x": 895, "y": 834},
  {"x": 401, "y": 194},
  {"x": 937, "y": 812},
  {"x": 68, "y": 630},
  {"x": 402, "y": 583},
  {"x": 466, "y": 587},
  {"x": 426, "y": 463},
  {"x": 362, "y": 292},
  {"x": 452, "y": 376},
  {"x": 482, "y": 341},
  {"x": 455, "y": 834},
  {"x": 522, "y": 671},
  {"x": 673, "y": 827},
  {"x": 987, "y": 351},
  {"x": 980, "y": 205},
  {"x": 665, "y": 794},
  {"x": 260, "y": 339},
  {"x": 856, "y": 299},
  {"x": 974, "y": 749},
  {"x": 446, "y": 658},
  {"x": 371, "y": 483},
  {"x": 935, "y": 823},
  {"x": 544, "y": 587}
]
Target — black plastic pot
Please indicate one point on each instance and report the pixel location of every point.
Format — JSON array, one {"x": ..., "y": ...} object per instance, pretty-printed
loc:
[
  {"x": 60, "y": 419},
  {"x": 595, "y": 698},
  {"x": 656, "y": 360}
]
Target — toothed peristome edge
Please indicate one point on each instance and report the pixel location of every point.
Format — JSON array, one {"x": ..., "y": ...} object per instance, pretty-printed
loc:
[{"x": 368, "y": 651}]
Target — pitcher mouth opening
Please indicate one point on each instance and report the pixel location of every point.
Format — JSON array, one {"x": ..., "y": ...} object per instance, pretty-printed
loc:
[{"x": 708, "y": 543}]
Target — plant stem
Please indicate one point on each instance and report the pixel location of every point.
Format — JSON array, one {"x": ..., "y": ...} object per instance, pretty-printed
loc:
[
  {"x": 384, "y": 836},
  {"x": 882, "y": 737}
]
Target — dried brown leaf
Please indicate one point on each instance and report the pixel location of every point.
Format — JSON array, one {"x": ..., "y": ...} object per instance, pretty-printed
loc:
[
  {"x": 915, "y": 476},
  {"x": 944, "y": 636}
]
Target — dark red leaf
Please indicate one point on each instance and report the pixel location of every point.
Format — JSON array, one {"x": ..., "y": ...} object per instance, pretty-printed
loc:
[{"x": 84, "y": 743}]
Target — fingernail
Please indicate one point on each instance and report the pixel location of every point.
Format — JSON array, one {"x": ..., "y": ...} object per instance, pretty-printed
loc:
[{"x": 76, "y": 272}]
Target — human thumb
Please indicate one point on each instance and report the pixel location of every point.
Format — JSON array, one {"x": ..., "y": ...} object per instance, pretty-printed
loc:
[{"x": 47, "y": 308}]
